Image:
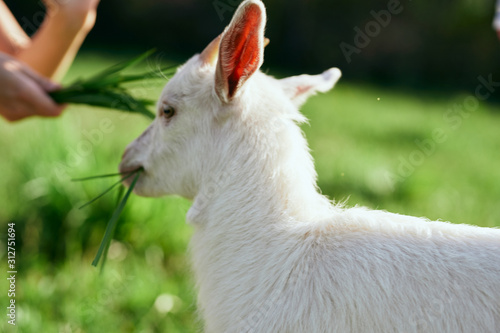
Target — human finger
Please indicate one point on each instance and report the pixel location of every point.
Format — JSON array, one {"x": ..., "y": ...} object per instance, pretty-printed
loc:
[{"x": 37, "y": 101}]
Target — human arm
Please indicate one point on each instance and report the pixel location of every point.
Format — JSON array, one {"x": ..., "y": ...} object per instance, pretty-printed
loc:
[
  {"x": 12, "y": 36},
  {"x": 496, "y": 19},
  {"x": 52, "y": 49}
]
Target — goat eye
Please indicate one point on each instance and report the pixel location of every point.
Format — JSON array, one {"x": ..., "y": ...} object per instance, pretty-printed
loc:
[{"x": 168, "y": 111}]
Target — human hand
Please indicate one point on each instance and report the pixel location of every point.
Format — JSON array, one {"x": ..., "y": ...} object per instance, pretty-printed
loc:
[
  {"x": 77, "y": 13},
  {"x": 23, "y": 93}
]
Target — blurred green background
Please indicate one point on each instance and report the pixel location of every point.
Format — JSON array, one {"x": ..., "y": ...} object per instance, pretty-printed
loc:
[{"x": 403, "y": 131}]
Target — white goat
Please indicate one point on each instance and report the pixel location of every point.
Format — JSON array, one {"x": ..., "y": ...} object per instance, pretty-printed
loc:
[{"x": 270, "y": 253}]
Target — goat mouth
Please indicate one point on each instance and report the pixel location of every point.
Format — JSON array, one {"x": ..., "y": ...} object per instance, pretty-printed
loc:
[{"x": 128, "y": 174}]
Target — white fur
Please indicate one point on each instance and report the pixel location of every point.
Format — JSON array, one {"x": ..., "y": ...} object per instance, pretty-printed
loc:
[{"x": 271, "y": 254}]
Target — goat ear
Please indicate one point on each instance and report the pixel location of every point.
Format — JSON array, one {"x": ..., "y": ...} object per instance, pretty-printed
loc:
[
  {"x": 241, "y": 51},
  {"x": 300, "y": 88}
]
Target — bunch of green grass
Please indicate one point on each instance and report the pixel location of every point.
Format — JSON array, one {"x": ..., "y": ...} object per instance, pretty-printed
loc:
[
  {"x": 121, "y": 202},
  {"x": 106, "y": 89}
]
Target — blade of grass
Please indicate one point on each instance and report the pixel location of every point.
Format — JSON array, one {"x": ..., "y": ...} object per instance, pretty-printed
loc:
[
  {"x": 99, "y": 176},
  {"x": 108, "y": 99},
  {"x": 121, "y": 190},
  {"x": 107, "y": 190},
  {"x": 114, "y": 81},
  {"x": 110, "y": 229},
  {"x": 158, "y": 74},
  {"x": 119, "y": 67}
]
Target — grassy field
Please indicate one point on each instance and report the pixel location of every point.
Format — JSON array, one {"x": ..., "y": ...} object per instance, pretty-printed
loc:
[{"x": 404, "y": 152}]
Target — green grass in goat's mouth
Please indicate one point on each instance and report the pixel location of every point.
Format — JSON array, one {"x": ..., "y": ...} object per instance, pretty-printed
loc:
[{"x": 122, "y": 201}]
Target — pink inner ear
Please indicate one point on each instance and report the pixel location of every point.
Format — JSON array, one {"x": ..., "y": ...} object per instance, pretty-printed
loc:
[
  {"x": 244, "y": 50},
  {"x": 302, "y": 89}
]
